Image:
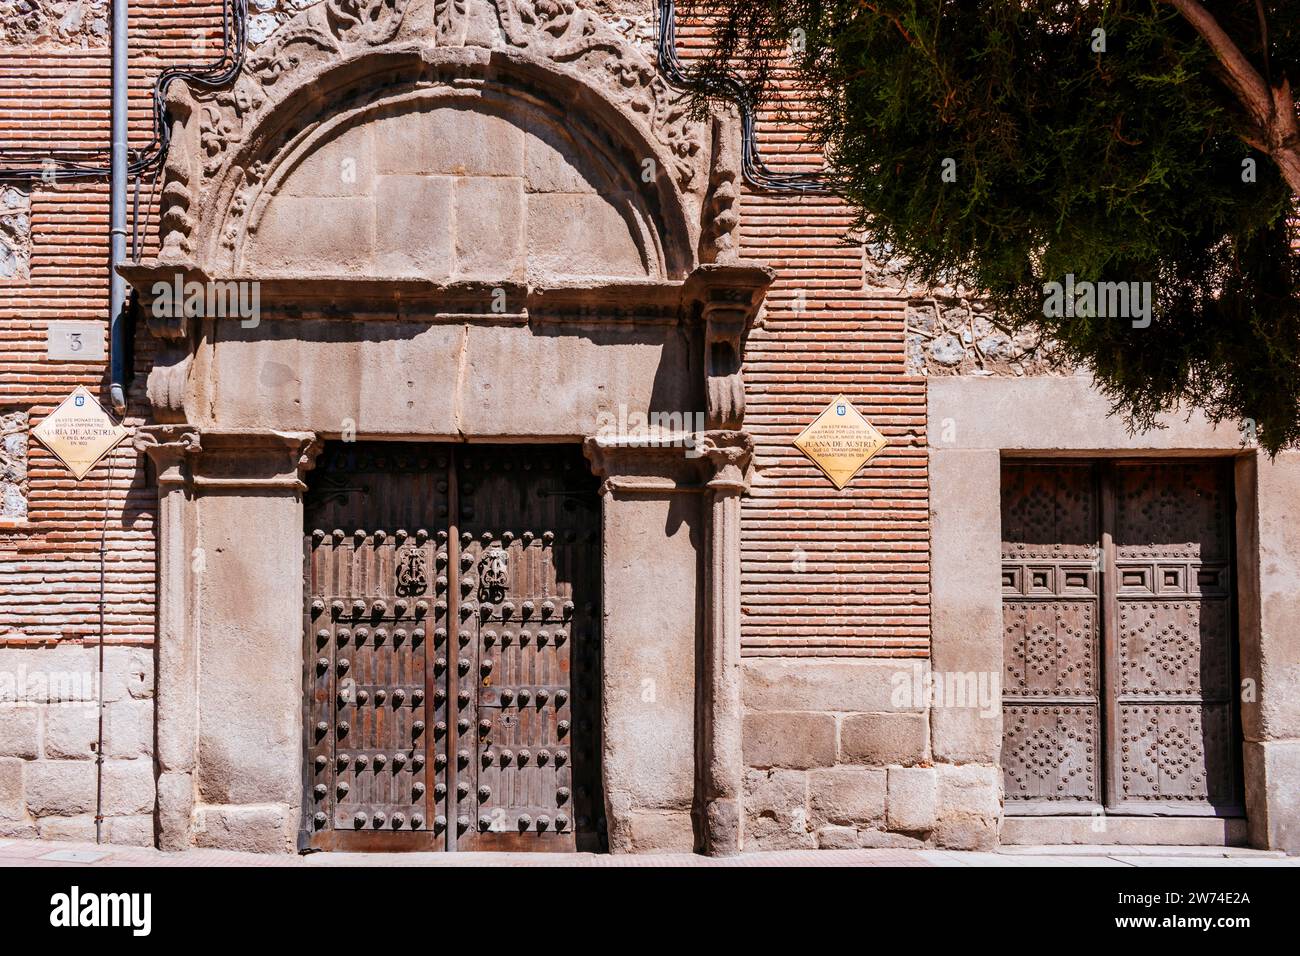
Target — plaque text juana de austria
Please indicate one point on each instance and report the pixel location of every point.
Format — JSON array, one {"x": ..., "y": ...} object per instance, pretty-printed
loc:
[{"x": 840, "y": 441}]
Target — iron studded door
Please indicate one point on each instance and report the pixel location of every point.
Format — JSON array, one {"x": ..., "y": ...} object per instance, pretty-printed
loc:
[
  {"x": 1118, "y": 638},
  {"x": 528, "y": 552},
  {"x": 409, "y": 558}
]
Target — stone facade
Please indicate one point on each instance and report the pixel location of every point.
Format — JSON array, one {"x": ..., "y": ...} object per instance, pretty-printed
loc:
[
  {"x": 475, "y": 221},
  {"x": 50, "y": 739}
]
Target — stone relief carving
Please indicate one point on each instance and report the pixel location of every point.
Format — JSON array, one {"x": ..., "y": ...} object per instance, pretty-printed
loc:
[
  {"x": 563, "y": 32},
  {"x": 721, "y": 217},
  {"x": 327, "y": 27},
  {"x": 570, "y": 34}
]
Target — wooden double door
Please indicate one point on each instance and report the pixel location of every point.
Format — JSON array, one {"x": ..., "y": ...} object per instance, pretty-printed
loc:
[
  {"x": 1119, "y": 661},
  {"x": 451, "y": 649}
]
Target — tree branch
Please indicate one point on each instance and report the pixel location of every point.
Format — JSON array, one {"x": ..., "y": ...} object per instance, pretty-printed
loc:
[{"x": 1270, "y": 108}]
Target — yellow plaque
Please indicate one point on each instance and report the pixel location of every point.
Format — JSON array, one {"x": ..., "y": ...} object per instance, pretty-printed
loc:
[
  {"x": 79, "y": 432},
  {"x": 840, "y": 441}
]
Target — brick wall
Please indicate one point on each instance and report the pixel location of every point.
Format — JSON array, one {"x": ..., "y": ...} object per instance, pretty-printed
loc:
[
  {"x": 827, "y": 573},
  {"x": 54, "y": 97}
]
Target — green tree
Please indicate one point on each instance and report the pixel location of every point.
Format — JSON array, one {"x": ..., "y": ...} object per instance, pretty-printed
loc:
[{"x": 1002, "y": 145}]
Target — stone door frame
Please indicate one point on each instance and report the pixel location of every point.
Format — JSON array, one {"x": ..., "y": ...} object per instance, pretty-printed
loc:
[
  {"x": 230, "y": 609},
  {"x": 975, "y": 423}
]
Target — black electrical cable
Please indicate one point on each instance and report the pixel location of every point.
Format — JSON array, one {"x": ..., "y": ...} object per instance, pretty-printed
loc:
[
  {"x": 730, "y": 86},
  {"x": 234, "y": 35}
]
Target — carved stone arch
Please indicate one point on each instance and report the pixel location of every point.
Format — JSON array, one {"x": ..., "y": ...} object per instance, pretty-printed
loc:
[
  {"x": 547, "y": 108},
  {"x": 646, "y": 174}
]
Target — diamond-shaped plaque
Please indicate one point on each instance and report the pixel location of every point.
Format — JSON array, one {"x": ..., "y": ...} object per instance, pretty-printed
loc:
[
  {"x": 840, "y": 441},
  {"x": 79, "y": 432}
]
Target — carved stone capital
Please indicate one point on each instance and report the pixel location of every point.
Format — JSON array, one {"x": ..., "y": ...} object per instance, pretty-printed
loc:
[
  {"x": 730, "y": 454},
  {"x": 632, "y": 467},
  {"x": 255, "y": 460},
  {"x": 169, "y": 447},
  {"x": 228, "y": 460}
]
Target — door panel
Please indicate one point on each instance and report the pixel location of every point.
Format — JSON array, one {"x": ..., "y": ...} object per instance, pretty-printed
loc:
[
  {"x": 448, "y": 593},
  {"x": 1052, "y": 721},
  {"x": 1142, "y": 721},
  {"x": 1173, "y": 668}
]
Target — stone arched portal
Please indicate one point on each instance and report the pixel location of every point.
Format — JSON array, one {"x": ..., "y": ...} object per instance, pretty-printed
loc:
[{"x": 461, "y": 222}]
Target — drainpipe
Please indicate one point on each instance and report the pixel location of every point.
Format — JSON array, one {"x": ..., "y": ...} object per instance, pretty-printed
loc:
[{"x": 117, "y": 317}]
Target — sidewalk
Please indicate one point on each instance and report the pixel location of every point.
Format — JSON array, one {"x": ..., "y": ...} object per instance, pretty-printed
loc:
[{"x": 51, "y": 853}]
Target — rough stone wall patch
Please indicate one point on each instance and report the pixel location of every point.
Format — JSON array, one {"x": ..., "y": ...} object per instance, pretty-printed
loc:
[
  {"x": 13, "y": 465},
  {"x": 15, "y": 233},
  {"x": 77, "y": 22},
  {"x": 957, "y": 337}
]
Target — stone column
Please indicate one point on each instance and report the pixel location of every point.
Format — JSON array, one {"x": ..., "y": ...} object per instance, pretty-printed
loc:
[
  {"x": 229, "y": 635},
  {"x": 248, "y": 487},
  {"x": 170, "y": 448},
  {"x": 1268, "y": 532},
  {"x": 729, "y": 453},
  {"x": 652, "y": 530}
]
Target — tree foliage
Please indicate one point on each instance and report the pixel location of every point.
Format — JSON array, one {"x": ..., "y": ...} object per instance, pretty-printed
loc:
[{"x": 1115, "y": 157}]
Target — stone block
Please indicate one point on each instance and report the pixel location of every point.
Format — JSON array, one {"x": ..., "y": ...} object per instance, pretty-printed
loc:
[
  {"x": 20, "y": 732},
  {"x": 845, "y": 686},
  {"x": 661, "y": 832},
  {"x": 128, "y": 728},
  {"x": 414, "y": 227},
  {"x": 553, "y": 164},
  {"x": 18, "y": 829},
  {"x": 448, "y": 140},
  {"x": 573, "y": 234},
  {"x": 795, "y": 740},
  {"x": 1272, "y": 771},
  {"x": 769, "y": 833},
  {"x": 131, "y": 831},
  {"x": 71, "y": 731},
  {"x": 343, "y": 166},
  {"x": 970, "y": 807},
  {"x": 967, "y": 734},
  {"x": 913, "y": 801},
  {"x": 837, "y": 838},
  {"x": 128, "y": 787},
  {"x": 489, "y": 228},
  {"x": 60, "y": 787},
  {"x": 12, "y": 805},
  {"x": 882, "y": 739},
  {"x": 846, "y": 796},
  {"x": 79, "y": 828},
  {"x": 262, "y": 828},
  {"x": 885, "y": 840},
  {"x": 300, "y": 232}
]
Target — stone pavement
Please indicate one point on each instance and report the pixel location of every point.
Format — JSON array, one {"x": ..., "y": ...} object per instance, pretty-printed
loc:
[{"x": 50, "y": 853}]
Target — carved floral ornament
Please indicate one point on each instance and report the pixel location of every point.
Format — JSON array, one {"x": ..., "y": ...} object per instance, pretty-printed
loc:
[{"x": 211, "y": 165}]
